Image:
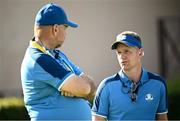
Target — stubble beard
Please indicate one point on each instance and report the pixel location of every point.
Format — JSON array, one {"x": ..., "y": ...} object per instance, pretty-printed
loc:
[{"x": 58, "y": 46}]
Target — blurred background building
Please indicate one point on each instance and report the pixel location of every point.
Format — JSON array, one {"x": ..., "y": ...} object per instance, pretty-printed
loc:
[{"x": 89, "y": 45}]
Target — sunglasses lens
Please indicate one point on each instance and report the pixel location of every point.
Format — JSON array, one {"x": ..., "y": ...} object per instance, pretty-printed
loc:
[
  {"x": 133, "y": 97},
  {"x": 133, "y": 92}
]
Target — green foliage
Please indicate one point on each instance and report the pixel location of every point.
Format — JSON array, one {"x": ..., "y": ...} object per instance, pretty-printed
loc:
[
  {"x": 173, "y": 86},
  {"x": 12, "y": 108},
  {"x": 174, "y": 99}
]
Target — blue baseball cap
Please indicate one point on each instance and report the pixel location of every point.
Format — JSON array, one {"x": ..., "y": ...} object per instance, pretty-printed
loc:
[
  {"x": 128, "y": 40},
  {"x": 51, "y": 14}
]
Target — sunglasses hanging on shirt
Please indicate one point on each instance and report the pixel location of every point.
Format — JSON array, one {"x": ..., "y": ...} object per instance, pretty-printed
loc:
[{"x": 133, "y": 91}]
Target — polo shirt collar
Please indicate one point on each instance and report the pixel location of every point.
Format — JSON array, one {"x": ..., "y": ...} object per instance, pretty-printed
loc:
[
  {"x": 144, "y": 76},
  {"x": 124, "y": 78},
  {"x": 50, "y": 52}
]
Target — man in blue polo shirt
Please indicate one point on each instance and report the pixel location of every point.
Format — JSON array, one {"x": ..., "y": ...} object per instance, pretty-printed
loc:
[
  {"x": 54, "y": 88},
  {"x": 133, "y": 93}
]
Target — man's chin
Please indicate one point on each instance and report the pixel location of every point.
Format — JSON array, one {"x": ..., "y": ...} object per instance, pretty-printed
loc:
[
  {"x": 125, "y": 68},
  {"x": 58, "y": 46}
]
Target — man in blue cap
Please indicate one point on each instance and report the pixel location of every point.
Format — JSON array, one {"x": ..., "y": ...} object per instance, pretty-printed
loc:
[
  {"x": 54, "y": 88},
  {"x": 133, "y": 93}
]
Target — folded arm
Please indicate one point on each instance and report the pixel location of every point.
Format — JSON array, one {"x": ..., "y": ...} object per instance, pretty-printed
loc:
[{"x": 81, "y": 86}]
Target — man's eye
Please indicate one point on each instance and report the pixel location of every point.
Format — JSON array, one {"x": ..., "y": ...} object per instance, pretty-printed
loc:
[
  {"x": 65, "y": 26},
  {"x": 119, "y": 52},
  {"x": 126, "y": 51}
]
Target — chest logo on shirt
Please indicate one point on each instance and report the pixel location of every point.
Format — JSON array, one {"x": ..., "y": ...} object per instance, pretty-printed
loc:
[{"x": 149, "y": 97}]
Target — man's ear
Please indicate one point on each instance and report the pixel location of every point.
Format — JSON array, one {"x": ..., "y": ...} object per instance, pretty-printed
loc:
[
  {"x": 141, "y": 52},
  {"x": 55, "y": 29}
]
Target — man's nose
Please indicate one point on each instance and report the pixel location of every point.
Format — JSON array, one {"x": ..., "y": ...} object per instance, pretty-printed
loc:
[{"x": 123, "y": 56}]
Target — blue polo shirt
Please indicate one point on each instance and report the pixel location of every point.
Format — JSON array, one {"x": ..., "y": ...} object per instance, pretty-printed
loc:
[
  {"x": 42, "y": 75},
  {"x": 113, "y": 102}
]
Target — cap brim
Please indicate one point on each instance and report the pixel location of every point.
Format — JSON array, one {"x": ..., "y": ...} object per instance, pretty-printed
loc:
[
  {"x": 114, "y": 45},
  {"x": 72, "y": 24}
]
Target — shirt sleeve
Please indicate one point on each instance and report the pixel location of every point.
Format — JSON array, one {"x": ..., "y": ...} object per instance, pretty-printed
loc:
[
  {"x": 163, "y": 108},
  {"x": 74, "y": 67},
  {"x": 49, "y": 71},
  {"x": 101, "y": 101}
]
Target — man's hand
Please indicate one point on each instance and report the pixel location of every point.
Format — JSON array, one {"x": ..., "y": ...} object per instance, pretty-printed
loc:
[
  {"x": 67, "y": 94},
  {"x": 93, "y": 87}
]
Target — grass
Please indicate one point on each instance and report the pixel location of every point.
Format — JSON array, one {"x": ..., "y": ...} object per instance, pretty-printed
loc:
[{"x": 11, "y": 102}]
